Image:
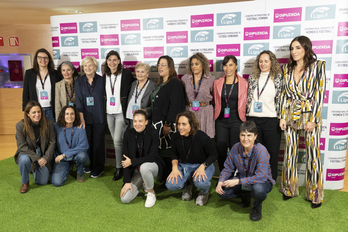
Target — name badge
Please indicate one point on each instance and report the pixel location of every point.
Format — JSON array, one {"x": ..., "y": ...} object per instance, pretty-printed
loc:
[
  {"x": 112, "y": 101},
  {"x": 134, "y": 108},
  {"x": 38, "y": 151},
  {"x": 43, "y": 95},
  {"x": 258, "y": 107},
  {"x": 195, "y": 105},
  {"x": 227, "y": 113},
  {"x": 185, "y": 170},
  {"x": 90, "y": 101},
  {"x": 71, "y": 104}
]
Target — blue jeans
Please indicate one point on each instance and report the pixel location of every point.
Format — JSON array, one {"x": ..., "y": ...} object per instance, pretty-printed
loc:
[
  {"x": 258, "y": 192},
  {"x": 40, "y": 174},
  {"x": 191, "y": 168},
  {"x": 48, "y": 113},
  {"x": 61, "y": 169}
]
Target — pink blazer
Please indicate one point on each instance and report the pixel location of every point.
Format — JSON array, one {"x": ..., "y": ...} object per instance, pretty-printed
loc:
[{"x": 242, "y": 96}]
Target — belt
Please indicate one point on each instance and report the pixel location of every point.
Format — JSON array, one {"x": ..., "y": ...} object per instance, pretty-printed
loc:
[{"x": 202, "y": 104}]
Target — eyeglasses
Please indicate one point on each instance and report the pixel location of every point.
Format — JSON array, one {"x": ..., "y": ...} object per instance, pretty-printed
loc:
[
  {"x": 161, "y": 65},
  {"x": 40, "y": 58}
]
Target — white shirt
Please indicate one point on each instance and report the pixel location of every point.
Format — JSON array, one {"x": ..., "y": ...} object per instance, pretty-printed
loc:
[
  {"x": 117, "y": 108},
  {"x": 47, "y": 87},
  {"x": 129, "y": 113}
]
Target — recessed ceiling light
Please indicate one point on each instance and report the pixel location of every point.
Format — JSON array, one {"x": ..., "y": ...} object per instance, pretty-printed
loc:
[{"x": 75, "y": 11}]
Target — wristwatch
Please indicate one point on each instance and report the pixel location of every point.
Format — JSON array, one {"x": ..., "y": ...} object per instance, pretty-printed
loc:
[{"x": 205, "y": 165}]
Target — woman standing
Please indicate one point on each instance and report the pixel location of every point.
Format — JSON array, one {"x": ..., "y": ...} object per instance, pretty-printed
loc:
[
  {"x": 39, "y": 83},
  {"x": 230, "y": 94},
  {"x": 265, "y": 87},
  {"x": 90, "y": 102},
  {"x": 199, "y": 90},
  {"x": 35, "y": 144},
  {"x": 140, "y": 92},
  {"x": 118, "y": 82},
  {"x": 65, "y": 89},
  {"x": 301, "y": 104}
]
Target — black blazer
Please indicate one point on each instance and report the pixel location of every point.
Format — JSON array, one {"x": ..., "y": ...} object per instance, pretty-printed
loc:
[
  {"x": 29, "y": 88},
  {"x": 126, "y": 82},
  {"x": 150, "y": 152}
]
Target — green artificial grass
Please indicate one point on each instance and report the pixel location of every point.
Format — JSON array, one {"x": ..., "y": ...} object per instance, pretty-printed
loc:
[{"x": 95, "y": 205}]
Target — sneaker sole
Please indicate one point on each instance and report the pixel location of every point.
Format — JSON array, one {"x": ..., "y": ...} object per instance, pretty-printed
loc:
[{"x": 97, "y": 176}]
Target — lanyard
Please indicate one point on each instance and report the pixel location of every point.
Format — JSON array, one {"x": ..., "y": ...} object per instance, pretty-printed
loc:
[
  {"x": 92, "y": 87},
  {"x": 113, "y": 86},
  {"x": 246, "y": 169},
  {"x": 199, "y": 86},
  {"x": 66, "y": 140},
  {"x": 136, "y": 90},
  {"x": 43, "y": 83},
  {"x": 37, "y": 142},
  {"x": 229, "y": 95},
  {"x": 72, "y": 91},
  {"x": 183, "y": 147},
  {"x": 141, "y": 146},
  {"x": 263, "y": 88}
]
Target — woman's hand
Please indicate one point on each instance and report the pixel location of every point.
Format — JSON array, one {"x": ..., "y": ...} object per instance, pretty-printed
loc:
[
  {"x": 59, "y": 158},
  {"x": 309, "y": 126},
  {"x": 219, "y": 189},
  {"x": 42, "y": 162},
  {"x": 231, "y": 183},
  {"x": 166, "y": 130},
  {"x": 282, "y": 124},
  {"x": 174, "y": 176},
  {"x": 126, "y": 163},
  {"x": 82, "y": 125},
  {"x": 125, "y": 188},
  {"x": 200, "y": 173}
]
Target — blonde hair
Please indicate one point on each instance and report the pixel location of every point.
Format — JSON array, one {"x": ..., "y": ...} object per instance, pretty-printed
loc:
[
  {"x": 144, "y": 65},
  {"x": 90, "y": 59}
]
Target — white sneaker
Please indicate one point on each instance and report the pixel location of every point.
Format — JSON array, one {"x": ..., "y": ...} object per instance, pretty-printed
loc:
[
  {"x": 202, "y": 198},
  {"x": 150, "y": 200},
  {"x": 187, "y": 192}
]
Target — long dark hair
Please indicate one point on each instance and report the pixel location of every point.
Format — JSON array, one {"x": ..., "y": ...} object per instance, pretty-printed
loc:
[
  {"x": 27, "y": 128},
  {"x": 309, "y": 57},
  {"x": 192, "y": 119},
  {"x": 107, "y": 70},
  {"x": 61, "y": 118},
  {"x": 172, "y": 72},
  {"x": 228, "y": 58},
  {"x": 50, "y": 65}
]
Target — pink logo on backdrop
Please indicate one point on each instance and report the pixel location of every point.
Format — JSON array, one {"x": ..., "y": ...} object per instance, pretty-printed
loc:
[
  {"x": 342, "y": 29},
  {"x": 287, "y": 15},
  {"x": 77, "y": 66},
  {"x": 90, "y": 52},
  {"x": 322, "y": 144},
  {"x": 302, "y": 143},
  {"x": 339, "y": 128},
  {"x": 326, "y": 98},
  {"x": 177, "y": 37},
  {"x": 130, "y": 65},
  {"x": 322, "y": 46},
  {"x": 55, "y": 41},
  {"x": 68, "y": 28},
  {"x": 340, "y": 80},
  {"x": 246, "y": 76},
  {"x": 180, "y": 76},
  {"x": 256, "y": 33},
  {"x": 335, "y": 174},
  {"x": 206, "y": 20},
  {"x": 153, "y": 52},
  {"x": 110, "y": 154},
  {"x": 211, "y": 65},
  {"x": 227, "y": 49},
  {"x": 106, "y": 40},
  {"x": 283, "y": 61},
  {"x": 130, "y": 25},
  {"x": 281, "y": 156}
]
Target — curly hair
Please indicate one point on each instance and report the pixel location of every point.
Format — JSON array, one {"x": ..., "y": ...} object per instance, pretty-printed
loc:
[
  {"x": 61, "y": 118},
  {"x": 275, "y": 67},
  {"x": 193, "y": 121},
  {"x": 204, "y": 61},
  {"x": 309, "y": 57}
]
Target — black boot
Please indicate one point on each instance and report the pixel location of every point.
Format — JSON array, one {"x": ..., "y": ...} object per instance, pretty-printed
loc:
[
  {"x": 245, "y": 200},
  {"x": 118, "y": 174},
  {"x": 256, "y": 213}
]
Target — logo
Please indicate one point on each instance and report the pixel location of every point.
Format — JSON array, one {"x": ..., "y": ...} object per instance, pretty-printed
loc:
[
  {"x": 227, "y": 19},
  {"x": 340, "y": 97},
  {"x": 322, "y": 144},
  {"x": 286, "y": 32},
  {"x": 211, "y": 65},
  {"x": 202, "y": 36},
  {"x": 153, "y": 52},
  {"x": 55, "y": 41},
  {"x": 254, "y": 49},
  {"x": 340, "y": 80},
  {"x": 89, "y": 52},
  {"x": 326, "y": 97},
  {"x": 56, "y": 54},
  {"x": 337, "y": 144},
  {"x": 68, "y": 28},
  {"x": 320, "y": 12},
  {"x": 287, "y": 15},
  {"x": 153, "y": 65},
  {"x": 130, "y": 65},
  {"x": 77, "y": 66},
  {"x": 206, "y": 20},
  {"x": 227, "y": 49},
  {"x": 324, "y": 113},
  {"x": 70, "y": 41},
  {"x": 88, "y": 27},
  {"x": 177, "y": 37},
  {"x": 322, "y": 46},
  {"x": 256, "y": 33},
  {"x": 302, "y": 143},
  {"x": 178, "y": 51},
  {"x": 130, "y": 25},
  {"x": 335, "y": 174},
  {"x": 109, "y": 40},
  {"x": 339, "y": 128},
  {"x": 1, "y": 41},
  {"x": 153, "y": 24},
  {"x": 130, "y": 39},
  {"x": 13, "y": 41},
  {"x": 104, "y": 51},
  {"x": 283, "y": 61},
  {"x": 342, "y": 29},
  {"x": 342, "y": 47}
]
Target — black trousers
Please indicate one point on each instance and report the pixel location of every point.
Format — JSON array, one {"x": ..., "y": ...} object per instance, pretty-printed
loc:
[
  {"x": 269, "y": 136},
  {"x": 226, "y": 134},
  {"x": 96, "y": 140}
]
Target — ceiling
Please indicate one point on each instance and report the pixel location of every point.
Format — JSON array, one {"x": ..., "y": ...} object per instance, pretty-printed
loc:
[{"x": 39, "y": 11}]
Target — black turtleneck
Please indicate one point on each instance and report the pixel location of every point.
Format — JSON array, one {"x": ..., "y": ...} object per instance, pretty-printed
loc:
[
  {"x": 139, "y": 137},
  {"x": 36, "y": 128}
]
